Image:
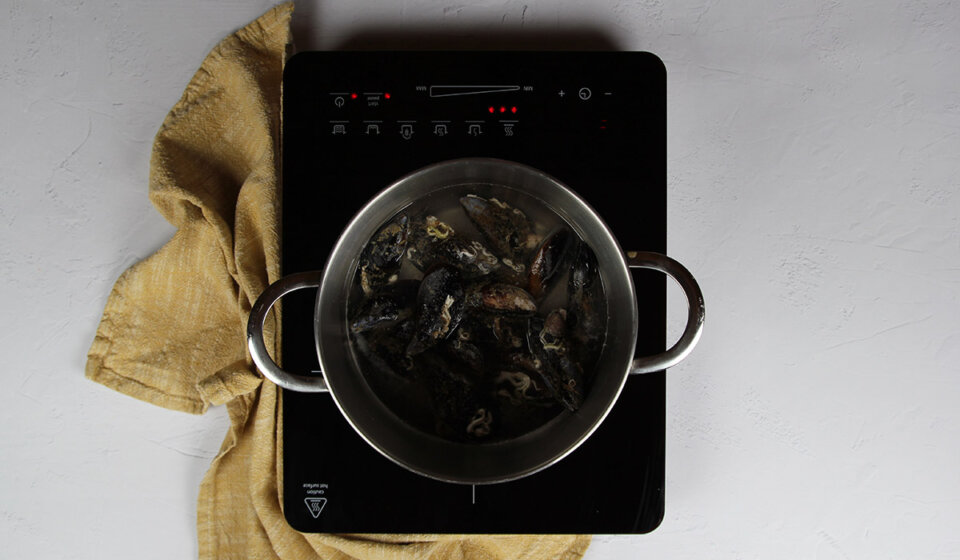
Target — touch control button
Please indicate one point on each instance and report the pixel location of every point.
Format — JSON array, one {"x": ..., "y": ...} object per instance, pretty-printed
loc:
[{"x": 585, "y": 93}]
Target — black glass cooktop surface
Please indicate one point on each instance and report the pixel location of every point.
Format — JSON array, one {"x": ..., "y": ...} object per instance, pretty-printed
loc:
[{"x": 355, "y": 122}]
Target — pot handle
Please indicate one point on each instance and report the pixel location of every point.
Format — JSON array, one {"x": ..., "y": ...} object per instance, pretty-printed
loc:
[
  {"x": 695, "y": 311},
  {"x": 258, "y": 350}
]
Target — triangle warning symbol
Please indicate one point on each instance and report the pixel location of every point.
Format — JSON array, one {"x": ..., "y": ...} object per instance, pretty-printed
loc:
[{"x": 315, "y": 505}]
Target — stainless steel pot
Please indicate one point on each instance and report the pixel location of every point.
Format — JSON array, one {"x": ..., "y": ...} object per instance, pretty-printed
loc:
[{"x": 425, "y": 453}]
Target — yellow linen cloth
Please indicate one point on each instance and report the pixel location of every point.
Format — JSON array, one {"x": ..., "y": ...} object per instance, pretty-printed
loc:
[{"x": 172, "y": 333}]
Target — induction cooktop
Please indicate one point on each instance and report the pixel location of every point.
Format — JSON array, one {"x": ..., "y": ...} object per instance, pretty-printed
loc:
[{"x": 354, "y": 123}]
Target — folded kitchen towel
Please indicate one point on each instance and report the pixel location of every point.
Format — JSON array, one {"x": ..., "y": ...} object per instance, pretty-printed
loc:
[{"x": 173, "y": 329}]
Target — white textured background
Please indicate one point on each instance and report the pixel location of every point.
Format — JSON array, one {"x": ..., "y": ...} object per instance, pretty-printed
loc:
[{"x": 814, "y": 162}]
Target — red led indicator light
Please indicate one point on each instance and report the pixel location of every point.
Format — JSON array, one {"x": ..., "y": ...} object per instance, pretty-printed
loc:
[
  {"x": 490, "y": 109},
  {"x": 386, "y": 96},
  {"x": 353, "y": 96},
  {"x": 503, "y": 109},
  {"x": 513, "y": 109}
]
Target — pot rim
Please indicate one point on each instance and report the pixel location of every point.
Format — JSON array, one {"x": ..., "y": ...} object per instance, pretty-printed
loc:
[{"x": 348, "y": 395}]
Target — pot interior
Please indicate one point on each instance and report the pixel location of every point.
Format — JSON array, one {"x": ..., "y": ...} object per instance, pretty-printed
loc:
[{"x": 418, "y": 449}]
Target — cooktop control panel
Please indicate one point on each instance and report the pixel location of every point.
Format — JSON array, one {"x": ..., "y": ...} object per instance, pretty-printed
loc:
[
  {"x": 475, "y": 110},
  {"x": 496, "y": 102},
  {"x": 356, "y": 122}
]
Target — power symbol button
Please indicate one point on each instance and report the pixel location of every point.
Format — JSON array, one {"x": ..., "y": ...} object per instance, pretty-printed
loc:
[{"x": 585, "y": 93}]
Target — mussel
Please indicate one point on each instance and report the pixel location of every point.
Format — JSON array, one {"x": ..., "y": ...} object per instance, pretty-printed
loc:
[
  {"x": 495, "y": 333},
  {"x": 440, "y": 302},
  {"x": 433, "y": 241},
  {"x": 562, "y": 375},
  {"x": 518, "y": 379},
  {"x": 505, "y": 228},
  {"x": 461, "y": 411},
  {"x": 385, "y": 350},
  {"x": 380, "y": 260},
  {"x": 387, "y": 307},
  {"x": 525, "y": 401},
  {"x": 586, "y": 305},
  {"x": 465, "y": 352},
  {"x": 501, "y": 298},
  {"x": 547, "y": 261}
]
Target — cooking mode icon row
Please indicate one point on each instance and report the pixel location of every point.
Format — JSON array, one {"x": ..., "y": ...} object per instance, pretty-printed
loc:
[{"x": 408, "y": 129}]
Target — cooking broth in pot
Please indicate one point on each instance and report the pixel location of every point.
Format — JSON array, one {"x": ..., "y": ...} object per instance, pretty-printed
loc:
[{"x": 477, "y": 314}]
